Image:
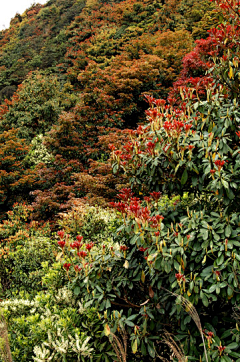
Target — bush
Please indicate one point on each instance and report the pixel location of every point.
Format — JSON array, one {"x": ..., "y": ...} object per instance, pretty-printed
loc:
[
  {"x": 93, "y": 223},
  {"x": 46, "y": 317},
  {"x": 54, "y": 323},
  {"x": 24, "y": 246},
  {"x": 182, "y": 250}
]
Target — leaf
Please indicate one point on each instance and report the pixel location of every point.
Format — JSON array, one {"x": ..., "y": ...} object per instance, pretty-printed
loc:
[
  {"x": 223, "y": 284},
  {"x": 143, "y": 277},
  {"x": 108, "y": 304},
  {"x": 152, "y": 257},
  {"x": 126, "y": 264},
  {"x": 143, "y": 349},
  {"x": 176, "y": 168},
  {"x": 225, "y": 184},
  {"x": 204, "y": 233},
  {"x": 212, "y": 288},
  {"x": 77, "y": 290},
  {"x": 232, "y": 345},
  {"x": 99, "y": 289},
  {"x": 157, "y": 264},
  {"x": 228, "y": 231},
  {"x": 151, "y": 351},
  {"x": 205, "y": 224},
  {"x": 234, "y": 354},
  {"x": 216, "y": 236},
  {"x": 129, "y": 323},
  {"x": 220, "y": 259},
  {"x": 207, "y": 271},
  {"x": 196, "y": 105},
  {"x": 134, "y": 239},
  {"x": 115, "y": 168},
  {"x": 205, "y": 300},
  {"x": 230, "y": 73},
  {"x": 194, "y": 181},
  {"x": 134, "y": 346},
  {"x": 230, "y": 194},
  {"x": 229, "y": 292},
  {"x": 151, "y": 292},
  {"x": 133, "y": 316},
  {"x": 58, "y": 257},
  {"x": 184, "y": 177},
  {"x": 225, "y": 358}
]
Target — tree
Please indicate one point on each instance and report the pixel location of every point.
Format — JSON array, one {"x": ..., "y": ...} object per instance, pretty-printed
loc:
[
  {"x": 36, "y": 105},
  {"x": 15, "y": 179}
]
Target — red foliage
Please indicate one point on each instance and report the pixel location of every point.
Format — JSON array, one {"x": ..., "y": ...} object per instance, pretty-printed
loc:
[{"x": 15, "y": 180}]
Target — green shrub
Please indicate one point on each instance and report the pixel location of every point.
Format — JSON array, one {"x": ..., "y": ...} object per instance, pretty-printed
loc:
[
  {"x": 38, "y": 153},
  {"x": 55, "y": 324},
  {"x": 186, "y": 249},
  {"x": 93, "y": 223},
  {"x": 24, "y": 246}
]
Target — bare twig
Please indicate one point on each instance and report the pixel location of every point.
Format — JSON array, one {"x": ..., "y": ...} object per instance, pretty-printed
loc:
[
  {"x": 176, "y": 349},
  {"x": 119, "y": 345},
  {"x": 5, "y": 351},
  {"x": 236, "y": 313},
  {"x": 191, "y": 310}
]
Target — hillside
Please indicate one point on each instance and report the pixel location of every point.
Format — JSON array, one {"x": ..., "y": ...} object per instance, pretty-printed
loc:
[
  {"x": 73, "y": 70},
  {"x": 119, "y": 182},
  {"x": 45, "y": 36}
]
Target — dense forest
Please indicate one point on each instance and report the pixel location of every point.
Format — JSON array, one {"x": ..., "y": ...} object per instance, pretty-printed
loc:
[{"x": 119, "y": 182}]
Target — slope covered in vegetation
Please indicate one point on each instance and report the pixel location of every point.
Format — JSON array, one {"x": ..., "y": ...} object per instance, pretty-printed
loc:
[
  {"x": 78, "y": 69},
  {"x": 135, "y": 98}
]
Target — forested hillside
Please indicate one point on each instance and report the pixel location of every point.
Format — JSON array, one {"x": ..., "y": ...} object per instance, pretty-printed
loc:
[
  {"x": 119, "y": 182},
  {"x": 71, "y": 71}
]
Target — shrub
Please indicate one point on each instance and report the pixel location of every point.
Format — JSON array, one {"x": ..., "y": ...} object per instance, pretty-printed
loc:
[
  {"x": 38, "y": 153},
  {"x": 24, "y": 246},
  {"x": 59, "y": 326},
  {"x": 93, "y": 223},
  {"x": 182, "y": 249}
]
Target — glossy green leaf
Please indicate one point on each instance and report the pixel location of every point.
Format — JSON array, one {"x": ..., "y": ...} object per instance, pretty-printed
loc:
[{"x": 184, "y": 177}]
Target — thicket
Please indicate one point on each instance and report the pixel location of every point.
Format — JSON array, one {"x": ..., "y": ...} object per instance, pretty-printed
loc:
[
  {"x": 156, "y": 274},
  {"x": 106, "y": 57}
]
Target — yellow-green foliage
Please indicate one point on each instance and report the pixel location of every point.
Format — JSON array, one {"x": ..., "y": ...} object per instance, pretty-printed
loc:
[{"x": 93, "y": 223}]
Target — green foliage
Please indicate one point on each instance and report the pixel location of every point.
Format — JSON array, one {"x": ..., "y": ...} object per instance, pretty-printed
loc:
[
  {"x": 195, "y": 154},
  {"x": 153, "y": 255},
  {"x": 190, "y": 250},
  {"x": 52, "y": 319},
  {"x": 24, "y": 246},
  {"x": 93, "y": 223},
  {"x": 39, "y": 302},
  {"x": 36, "y": 105},
  {"x": 56, "y": 319},
  {"x": 36, "y": 39},
  {"x": 38, "y": 153},
  {"x": 126, "y": 273}
]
